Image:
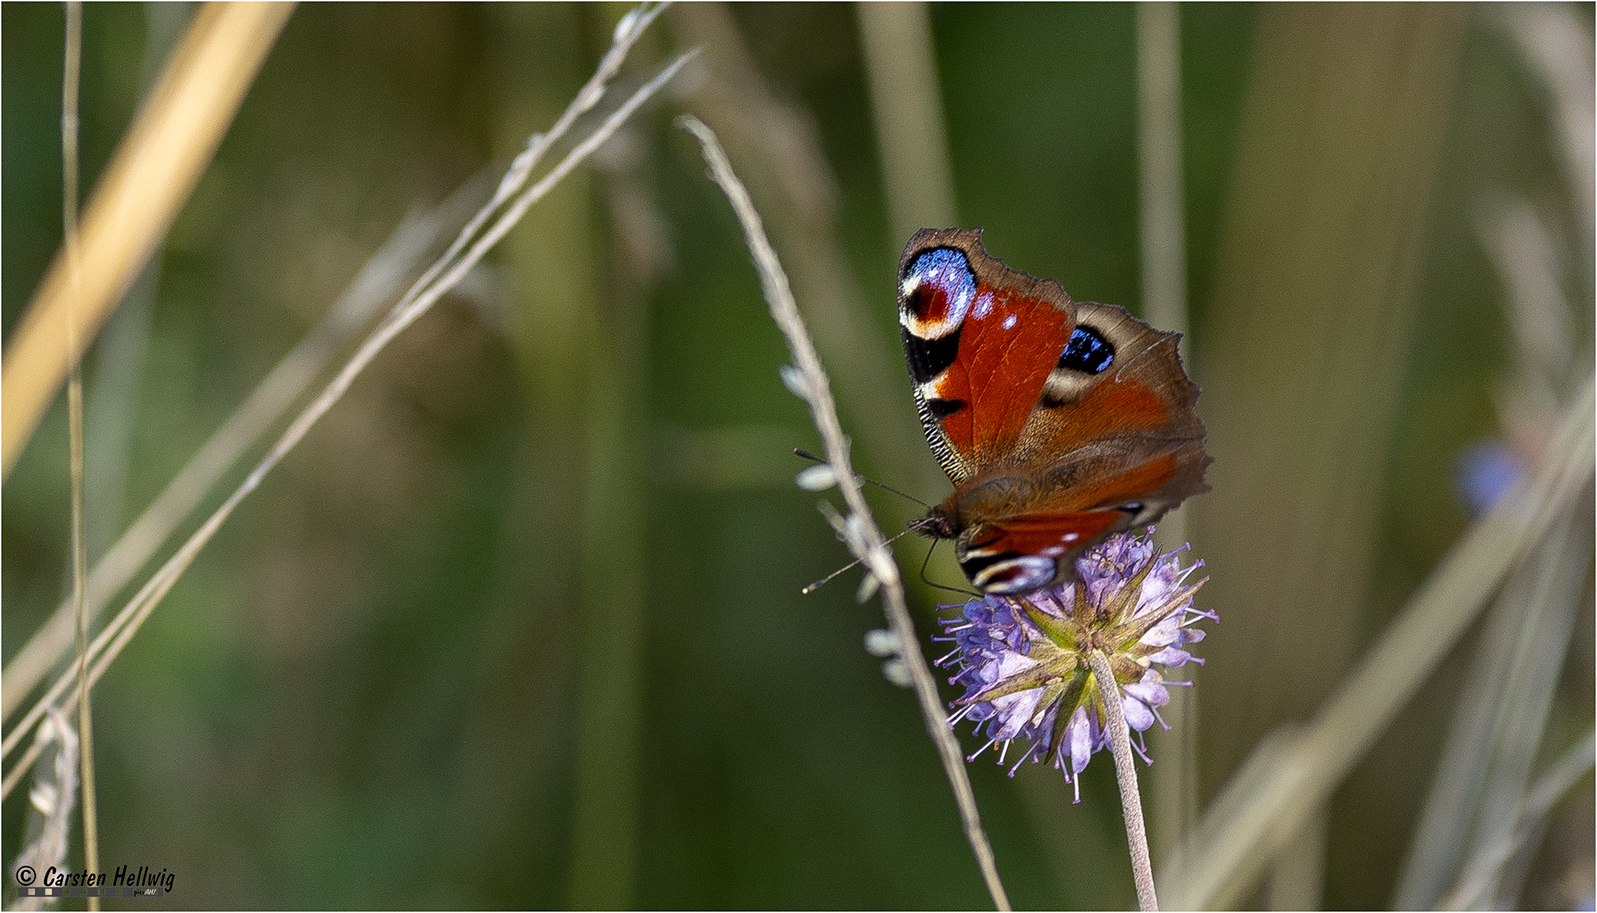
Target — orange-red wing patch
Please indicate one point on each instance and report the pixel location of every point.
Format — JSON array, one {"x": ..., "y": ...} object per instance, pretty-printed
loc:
[
  {"x": 1007, "y": 346},
  {"x": 1049, "y": 535}
]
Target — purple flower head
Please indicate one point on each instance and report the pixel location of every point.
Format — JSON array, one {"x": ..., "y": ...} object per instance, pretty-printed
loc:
[{"x": 1023, "y": 660}]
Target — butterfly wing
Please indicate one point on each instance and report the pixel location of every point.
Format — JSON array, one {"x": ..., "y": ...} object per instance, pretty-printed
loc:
[
  {"x": 1059, "y": 422},
  {"x": 979, "y": 353},
  {"x": 1020, "y": 533}
]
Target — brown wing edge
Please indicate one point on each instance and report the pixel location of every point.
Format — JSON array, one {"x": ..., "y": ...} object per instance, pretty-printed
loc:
[{"x": 1153, "y": 358}]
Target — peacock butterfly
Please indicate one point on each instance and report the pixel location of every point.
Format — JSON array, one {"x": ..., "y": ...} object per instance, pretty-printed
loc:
[{"x": 1060, "y": 422}]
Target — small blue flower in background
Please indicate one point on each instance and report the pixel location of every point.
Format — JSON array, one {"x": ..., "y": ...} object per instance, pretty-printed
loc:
[
  {"x": 1023, "y": 660},
  {"x": 1486, "y": 472}
]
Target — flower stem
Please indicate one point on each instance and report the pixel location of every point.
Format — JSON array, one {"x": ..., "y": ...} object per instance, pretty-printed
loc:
[{"x": 1126, "y": 773}]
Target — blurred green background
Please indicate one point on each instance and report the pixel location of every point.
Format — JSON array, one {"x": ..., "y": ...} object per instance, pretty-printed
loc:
[{"x": 519, "y": 624}]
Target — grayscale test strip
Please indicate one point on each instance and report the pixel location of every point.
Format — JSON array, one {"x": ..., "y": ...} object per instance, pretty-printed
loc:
[{"x": 38, "y": 891}]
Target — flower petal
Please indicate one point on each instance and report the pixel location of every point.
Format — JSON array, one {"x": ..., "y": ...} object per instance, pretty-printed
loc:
[
  {"x": 1152, "y": 693},
  {"x": 1079, "y": 736},
  {"x": 1138, "y": 716}
]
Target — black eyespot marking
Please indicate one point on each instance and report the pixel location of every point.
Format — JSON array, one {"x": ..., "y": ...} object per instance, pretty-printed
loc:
[
  {"x": 928, "y": 358},
  {"x": 1132, "y": 507},
  {"x": 943, "y": 408},
  {"x": 1087, "y": 351}
]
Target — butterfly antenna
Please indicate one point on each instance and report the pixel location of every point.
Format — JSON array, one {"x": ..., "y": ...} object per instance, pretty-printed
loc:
[
  {"x": 828, "y": 578},
  {"x": 931, "y": 583},
  {"x": 799, "y": 451}
]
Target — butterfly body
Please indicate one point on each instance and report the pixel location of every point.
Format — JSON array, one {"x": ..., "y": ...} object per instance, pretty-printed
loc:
[{"x": 1059, "y": 422}]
